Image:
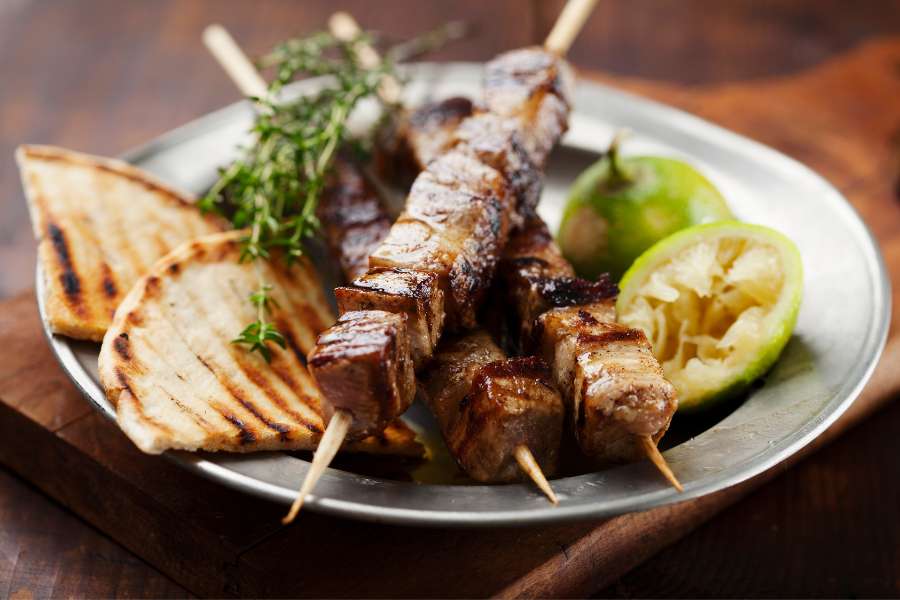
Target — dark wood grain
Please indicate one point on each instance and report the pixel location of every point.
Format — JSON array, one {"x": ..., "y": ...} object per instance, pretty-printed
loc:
[
  {"x": 102, "y": 76},
  {"x": 48, "y": 552}
]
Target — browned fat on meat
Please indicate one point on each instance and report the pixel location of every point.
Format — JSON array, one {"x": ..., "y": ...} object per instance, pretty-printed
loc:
[
  {"x": 354, "y": 220},
  {"x": 607, "y": 372},
  {"x": 534, "y": 87},
  {"x": 363, "y": 365},
  {"x": 407, "y": 144},
  {"x": 537, "y": 277},
  {"x": 488, "y": 405},
  {"x": 412, "y": 293},
  {"x": 455, "y": 224},
  {"x": 497, "y": 142}
]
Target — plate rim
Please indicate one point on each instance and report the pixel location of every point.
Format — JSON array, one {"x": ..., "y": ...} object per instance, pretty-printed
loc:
[{"x": 843, "y": 397}]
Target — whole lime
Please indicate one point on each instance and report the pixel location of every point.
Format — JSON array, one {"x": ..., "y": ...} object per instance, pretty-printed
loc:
[{"x": 620, "y": 206}]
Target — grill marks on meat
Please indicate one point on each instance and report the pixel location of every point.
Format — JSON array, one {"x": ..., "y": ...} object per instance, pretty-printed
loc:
[
  {"x": 497, "y": 142},
  {"x": 488, "y": 405},
  {"x": 539, "y": 278},
  {"x": 613, "y": 385},
  {"x": 412, "y": 293},
  {"x": 417, "y": 137},
  {"x": 363, "y": 365},
  {"x": 456, "y": 223},
  {"x": 354, "y": 220},
  {"x": 533, "y": 87}
]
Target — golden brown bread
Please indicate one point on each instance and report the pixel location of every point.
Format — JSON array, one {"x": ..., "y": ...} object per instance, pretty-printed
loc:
[
  {"x": 100, "y": 224},
  {"x": 169, "y": 366}
]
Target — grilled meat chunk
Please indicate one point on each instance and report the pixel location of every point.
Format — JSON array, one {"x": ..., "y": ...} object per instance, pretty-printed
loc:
[
  {"x": 539, "y": 278},
  {"x": 534, "y": 87},
  {"x": 363, "y": 365},
  {"x": 406, "y": 146},
  {"x": 354, "y": 220},
  {"x": 497, "y": 142},
  {"x": 488, "y": 405},
  {"x": 607, "y": 372},
  {"x": 455, "y": 224},
  {"x": 402, "y": 291}
]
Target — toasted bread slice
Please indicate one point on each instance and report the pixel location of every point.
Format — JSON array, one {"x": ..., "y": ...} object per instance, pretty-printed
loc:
[
  {"x": 178, "y": 382},
  {"x": 100, "y": 224}
]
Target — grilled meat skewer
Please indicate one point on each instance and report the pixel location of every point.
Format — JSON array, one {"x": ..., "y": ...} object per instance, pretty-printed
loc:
[
  {"x": 451, "y": 239},
  {"x": 614, "y": 387},
  {"x": 459, "y": 213},
  {"x": 492, "y": 410}
]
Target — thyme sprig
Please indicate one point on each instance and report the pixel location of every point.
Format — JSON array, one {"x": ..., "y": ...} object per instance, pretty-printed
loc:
[{"x": 273, "y": 189}]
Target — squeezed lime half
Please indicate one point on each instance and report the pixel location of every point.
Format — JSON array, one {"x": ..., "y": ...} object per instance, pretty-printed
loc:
[{"x": 718, "y": 302}]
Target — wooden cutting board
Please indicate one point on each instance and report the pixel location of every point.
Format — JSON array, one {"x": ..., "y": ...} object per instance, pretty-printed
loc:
[{"x": 842, "y": 119}]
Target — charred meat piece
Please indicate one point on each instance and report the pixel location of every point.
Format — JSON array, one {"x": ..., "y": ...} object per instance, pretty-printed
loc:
[
  {"x": 607, "y": 372},
  {"x": 363, "y": 365},
  {"x": 539, "y": 278},
  {"x": 354, "y": 220},
  {"x": 416, "y": 137},
  {"x": 534, "y": 87},
  {"x": 488, "y": 405},
  {"x": 455, "y": 225},
  {"x": 402, "y": 291}
]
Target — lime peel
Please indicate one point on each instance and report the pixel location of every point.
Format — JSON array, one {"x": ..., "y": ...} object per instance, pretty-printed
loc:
[{"x": 718, "y": 302}]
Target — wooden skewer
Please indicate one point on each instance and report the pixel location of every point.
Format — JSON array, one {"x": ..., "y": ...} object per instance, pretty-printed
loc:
[
  {"x": 531, "y": 467},
  {"x": 568, "y": 24},
  {"x": 250, "y": 82},
  {"x": 345, "y": 28},
  {"x": 234, "y": 61},
  {"x": 657, "y": 459},
  {"x": 329, "y": 445}
]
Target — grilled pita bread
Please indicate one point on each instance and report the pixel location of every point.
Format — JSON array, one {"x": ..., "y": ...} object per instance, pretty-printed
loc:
[
  {"x": 178, "y": 382},
  {"x": 100, "y": 224}
]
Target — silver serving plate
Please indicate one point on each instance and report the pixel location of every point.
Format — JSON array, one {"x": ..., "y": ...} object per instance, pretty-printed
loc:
[{"x": 841, "y": 330}]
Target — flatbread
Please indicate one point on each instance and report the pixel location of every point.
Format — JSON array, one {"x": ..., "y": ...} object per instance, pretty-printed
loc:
[
  {"x": 100, "y": 224},
  {"x": 169, "y": 366}
]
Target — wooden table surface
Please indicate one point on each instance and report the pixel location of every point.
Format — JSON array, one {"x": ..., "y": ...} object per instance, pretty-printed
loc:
[{"x": 102, "y": 76}]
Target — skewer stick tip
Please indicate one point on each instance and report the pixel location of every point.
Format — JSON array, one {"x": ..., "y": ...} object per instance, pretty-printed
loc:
[
  {"x": 230, "y": 56},
  {"x": 345, "y": 28},
  {"x": 567, "y": 26},
  {"x": 531, "y": 467},
  {"x": 328, "y": 446},
  {"x": 659, "y": 461}
]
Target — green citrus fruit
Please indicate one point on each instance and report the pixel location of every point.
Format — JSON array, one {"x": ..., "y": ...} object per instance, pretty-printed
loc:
[
  {"x": 620, "y": 206},
  {"x": 718, "y": 302}
]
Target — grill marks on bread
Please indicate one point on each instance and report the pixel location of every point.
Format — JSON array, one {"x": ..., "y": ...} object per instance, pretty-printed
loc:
[
  {"x": 100, "y": 224},
  {"x": 178, "y": 382}
]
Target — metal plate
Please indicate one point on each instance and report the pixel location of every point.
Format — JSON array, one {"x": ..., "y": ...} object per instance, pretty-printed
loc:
[{"x": 841, "y": 330}]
